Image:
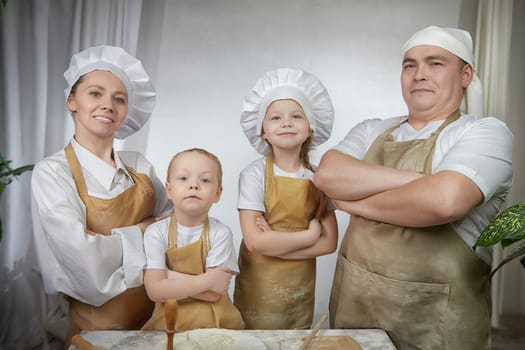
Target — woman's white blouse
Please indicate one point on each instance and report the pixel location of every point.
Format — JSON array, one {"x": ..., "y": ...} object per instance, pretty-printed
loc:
[{"x": 90, "y": 268}]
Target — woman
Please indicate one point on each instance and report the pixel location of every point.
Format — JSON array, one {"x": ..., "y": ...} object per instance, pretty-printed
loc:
[{"x": 92, "y": 204}]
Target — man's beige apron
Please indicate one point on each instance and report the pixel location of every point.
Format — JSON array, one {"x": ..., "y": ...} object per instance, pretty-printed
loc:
[
  {"x": 424, "y": 286},
  {"x": 193, "y": 313},
  {"x": 274, "y": 293},
  {"x": 130, "y": 309}
]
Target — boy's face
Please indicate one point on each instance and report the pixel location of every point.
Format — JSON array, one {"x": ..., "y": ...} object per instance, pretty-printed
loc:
[{"x": 193, "y": 183}]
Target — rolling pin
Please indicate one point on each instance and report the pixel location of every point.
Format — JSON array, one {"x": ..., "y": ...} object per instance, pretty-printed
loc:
[
  {"x": 170, "y": 309},
  {"x": 83, "y": 344}
]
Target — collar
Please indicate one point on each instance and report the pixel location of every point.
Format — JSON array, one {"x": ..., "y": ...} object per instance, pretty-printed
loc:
[{"x": 97, "y": 168}]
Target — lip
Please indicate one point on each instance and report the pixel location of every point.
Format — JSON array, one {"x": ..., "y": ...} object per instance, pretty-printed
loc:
[
  {"x": 104, "y": 118},
  {"x": 288, "y": 133},
  {"x": 192, "y": 197}
]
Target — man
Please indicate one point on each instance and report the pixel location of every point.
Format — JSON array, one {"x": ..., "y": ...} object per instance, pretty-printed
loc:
[{"x": 420, "y": 190}]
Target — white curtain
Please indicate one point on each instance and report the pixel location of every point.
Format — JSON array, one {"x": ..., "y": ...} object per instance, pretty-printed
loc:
[
  {"x": 38, "y": 38},
  {"x": 496, "y": 32}
]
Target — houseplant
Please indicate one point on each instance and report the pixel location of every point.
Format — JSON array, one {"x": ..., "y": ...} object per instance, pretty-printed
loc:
[
  {"x": 7, "y": 175},
  {"x": 506, "y": 228}
]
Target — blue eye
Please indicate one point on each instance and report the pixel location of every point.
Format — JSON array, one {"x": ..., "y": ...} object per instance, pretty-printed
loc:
[
  {"x": 120, "y": 100},
  {"x": 204, "y": 180}
]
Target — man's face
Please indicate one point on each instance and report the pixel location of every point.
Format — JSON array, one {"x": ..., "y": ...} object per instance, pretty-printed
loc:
[{"x": 433, "y": 81}]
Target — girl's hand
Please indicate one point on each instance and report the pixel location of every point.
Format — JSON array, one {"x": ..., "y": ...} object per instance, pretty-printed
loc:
[
  {"x": 262, "y": 224},
  {"x": 315, "y": 228}
]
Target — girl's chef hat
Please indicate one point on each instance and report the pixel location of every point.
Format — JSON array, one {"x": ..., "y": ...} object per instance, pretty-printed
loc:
[
  {"x": 141, "y": 94},
  {"x": 459, "y": 43},
  {"x": 286, "y": 83}
]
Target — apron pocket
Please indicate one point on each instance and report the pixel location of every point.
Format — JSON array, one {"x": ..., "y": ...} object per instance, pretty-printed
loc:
[{"x": 413, "y": 313}]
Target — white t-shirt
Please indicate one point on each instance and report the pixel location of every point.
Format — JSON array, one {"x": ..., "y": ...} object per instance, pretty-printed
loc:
[
  {"x": 90, "y": 268},
  {"x": 251, "y": 183},
  {"x": 479, "y": 148},
  {"x": 222, "y": 251}
]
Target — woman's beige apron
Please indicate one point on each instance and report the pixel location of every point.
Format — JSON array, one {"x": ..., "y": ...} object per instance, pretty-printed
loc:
[
  {"x": 270, "y": 292},
  {"x": 130, "y": 309},
  {"x": 193, "y": 313},
  {"x": 424, "y": 286}
]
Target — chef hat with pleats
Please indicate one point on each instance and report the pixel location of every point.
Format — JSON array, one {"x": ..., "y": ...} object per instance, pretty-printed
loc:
[
  {"x": 286, "y": 83},
  {"x": 459, "y": 43},
  {"x": 141, "y": 94}
]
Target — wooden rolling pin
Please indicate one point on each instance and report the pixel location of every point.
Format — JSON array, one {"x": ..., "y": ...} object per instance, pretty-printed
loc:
[
  {"x": 313, "y": 333},
  {"x": 83, "y": 344},
  {"x": 170, "y": 309}
]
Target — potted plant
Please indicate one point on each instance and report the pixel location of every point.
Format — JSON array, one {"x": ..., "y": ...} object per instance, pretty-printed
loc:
[
  {"x": 7, "y": 175},
  {"x": 506, "y": 228}
]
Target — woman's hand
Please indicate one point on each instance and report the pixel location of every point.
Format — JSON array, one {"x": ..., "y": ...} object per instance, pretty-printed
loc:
[{"x": 143, "y": 225}]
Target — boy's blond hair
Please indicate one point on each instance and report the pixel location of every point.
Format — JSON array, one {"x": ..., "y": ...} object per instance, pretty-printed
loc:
[{"x": 201, "y": 151}]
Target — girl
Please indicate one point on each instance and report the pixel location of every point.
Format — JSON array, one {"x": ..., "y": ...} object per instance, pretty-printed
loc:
[{"x": 284, "y": 220}]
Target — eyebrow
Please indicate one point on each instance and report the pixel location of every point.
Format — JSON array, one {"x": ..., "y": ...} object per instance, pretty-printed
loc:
[
  {"x": 426, "y": 58},
  {"x": 103, "y": 88}
]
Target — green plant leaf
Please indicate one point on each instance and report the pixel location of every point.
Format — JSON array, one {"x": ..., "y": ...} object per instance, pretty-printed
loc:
[
  {"x": 517, "y": 252},
  {"x": 508, "y": 225}
]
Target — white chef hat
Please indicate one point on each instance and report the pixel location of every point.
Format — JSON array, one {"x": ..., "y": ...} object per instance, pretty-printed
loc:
[
  {"x": 141, "y": 94},
  {"x": 286, "y": 83},
  {"x": 459, "y": 43}
]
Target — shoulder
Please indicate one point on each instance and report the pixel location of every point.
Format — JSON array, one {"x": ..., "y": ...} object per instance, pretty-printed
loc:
[
  {"x": 218, "y": 226},
  {"x": 53, "y": 166},
  {"x": 489, "y": 127},
  {"x": 157, "y": 228},
  {"x": 254, "y": 170}
]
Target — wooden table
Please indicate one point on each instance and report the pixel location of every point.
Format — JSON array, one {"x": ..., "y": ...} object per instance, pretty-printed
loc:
[{"x": 368, "y": 339}]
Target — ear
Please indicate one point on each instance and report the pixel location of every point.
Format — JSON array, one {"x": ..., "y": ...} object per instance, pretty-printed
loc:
[
  {"x": 218, "y": 195},
  {"x": 168, "y": 190},
  {"x": 467, "y": 74},
  {"x": 71, "y": 104}
]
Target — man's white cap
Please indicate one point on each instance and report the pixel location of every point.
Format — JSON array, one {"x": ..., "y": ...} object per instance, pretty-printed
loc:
[
  {"x": 459, "y": 43},
  {"x": 141, "y": 94},
  {"x": 281, "y": 84}
]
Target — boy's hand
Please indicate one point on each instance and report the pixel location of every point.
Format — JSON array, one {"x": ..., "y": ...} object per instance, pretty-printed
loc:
[
  {"x": 315, "y": 228},
  {"x": 218, "y": 279}
]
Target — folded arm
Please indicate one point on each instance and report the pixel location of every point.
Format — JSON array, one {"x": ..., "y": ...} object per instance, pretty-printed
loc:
[
  {"x": 343, "y": 177},
  {"x": 444, "y": 197},
  {"x": 326, "y": 244},
  {"x": 275, "y": 243},
  {"x": 162, "y": 285}
]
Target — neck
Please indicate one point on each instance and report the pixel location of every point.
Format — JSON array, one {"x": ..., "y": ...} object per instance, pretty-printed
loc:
[
  {"x": 101, "y": 147},
  {"x": 419, "y": 120},
  {"x": 190, "y": 220},
  {"x": 287, "y": 160}
]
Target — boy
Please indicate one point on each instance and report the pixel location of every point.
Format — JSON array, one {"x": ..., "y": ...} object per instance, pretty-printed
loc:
[{"x": 190, "y": 256}]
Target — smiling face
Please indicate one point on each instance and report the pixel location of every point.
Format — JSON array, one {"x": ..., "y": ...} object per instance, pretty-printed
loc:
[
  {"x": 433, "y": 82},
  {"x": 285, "y": 125},
  {"x": 99, "y": 104},
  {"x": 193, "y": 185}
]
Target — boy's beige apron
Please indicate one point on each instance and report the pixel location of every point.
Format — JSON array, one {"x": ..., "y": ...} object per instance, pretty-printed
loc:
[
  {"x": 425, "y": 286},
  {"x": 274, "y": 293},
  {"x": 130, "y": 309},
  {"x": 193, "y": 313}
]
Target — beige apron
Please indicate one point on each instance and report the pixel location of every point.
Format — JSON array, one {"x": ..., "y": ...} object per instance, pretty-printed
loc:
[
  {"x": 424, "y": 286},
  {"x": 270, "y": 292},
  {"x": 193, "y": 313},
  {"x": 130, "y": 309}
]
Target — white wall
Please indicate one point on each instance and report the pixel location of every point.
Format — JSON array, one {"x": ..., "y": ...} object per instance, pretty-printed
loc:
[{"x": 212, "y": 53}]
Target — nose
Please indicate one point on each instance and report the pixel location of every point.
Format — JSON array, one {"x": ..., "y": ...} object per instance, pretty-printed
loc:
[
  {"x": 194, "y": 186},
  {"x": 107, "y": 103},
  {"x": 421, "y": 72},
  {"x": 286, "y": 122}
]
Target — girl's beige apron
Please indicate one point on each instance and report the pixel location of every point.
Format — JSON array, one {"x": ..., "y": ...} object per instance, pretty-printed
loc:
[
  {"x": 193, "y": 313},
  {"x": 130, "y": 309},
  {"x": 270, "y": 292},
  {"x": 424, "y": 286}
]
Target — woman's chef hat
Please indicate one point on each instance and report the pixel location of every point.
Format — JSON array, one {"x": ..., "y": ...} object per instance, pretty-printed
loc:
[
  {"x": 141, "y": 94},
  {"x": 459, "y": 43},
  {"x": 286, "y": 83}
]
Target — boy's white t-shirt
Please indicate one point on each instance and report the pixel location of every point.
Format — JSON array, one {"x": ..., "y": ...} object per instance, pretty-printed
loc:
[{"x": 222, "y": 251}]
